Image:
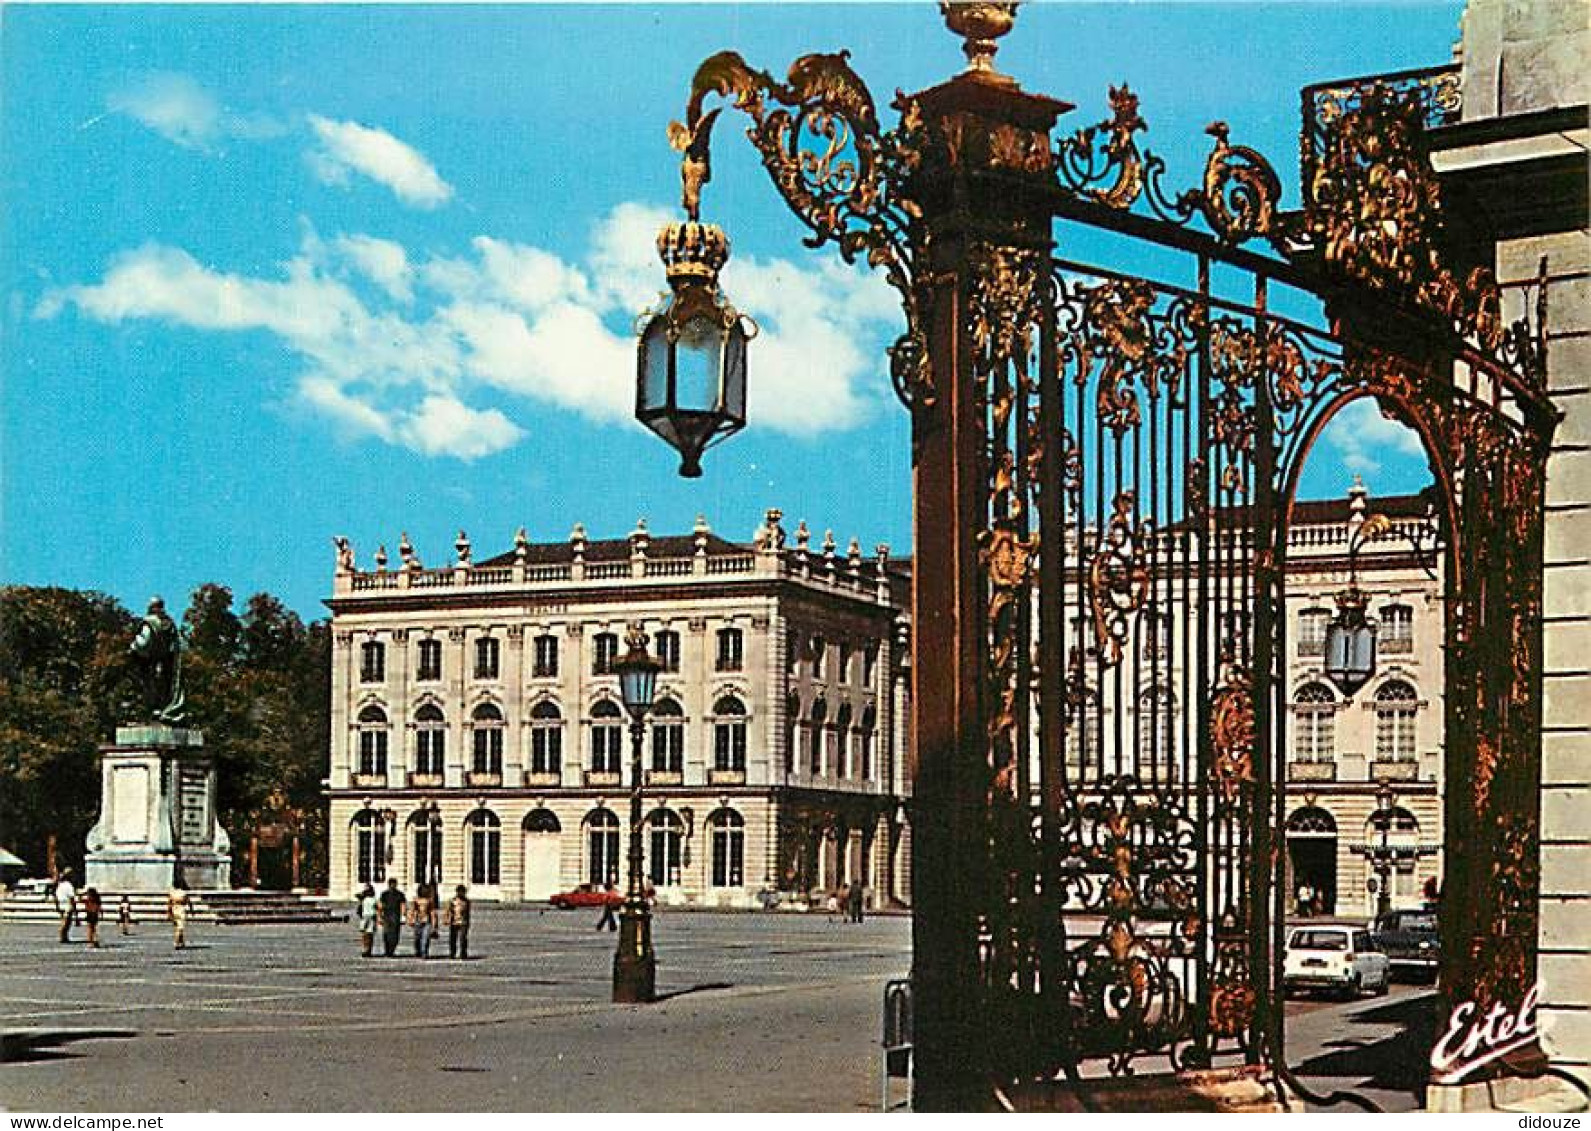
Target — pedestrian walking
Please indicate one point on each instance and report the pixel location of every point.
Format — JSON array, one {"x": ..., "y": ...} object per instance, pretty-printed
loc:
[
  {"x": 1306, "y": 899},
  {"x": 124, "y": 915},
  {"x": 93, "y": 908},
  {"x": 855, "y": 897},
  {"x": 832, "y": 905},
  {"x": 178, "y": 906},
  {"x": 422, "y": 916},
  {"x": 367, "y": 913},
  {"x": 458, "y": 923},
  {"x": 392, "y": 904},
  {"x": 66, "y": 903},
  {"x": 609, "y": 921}
]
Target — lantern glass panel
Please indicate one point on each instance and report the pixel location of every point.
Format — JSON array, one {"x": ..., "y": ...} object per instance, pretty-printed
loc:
[
  {"x": 637, "y": 686},
  {"x": 698, "y": 366},
  {"x": 735, "y": 374},
  {"x": 654, "y": 365}
]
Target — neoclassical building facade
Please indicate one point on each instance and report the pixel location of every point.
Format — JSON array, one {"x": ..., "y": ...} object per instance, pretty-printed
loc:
[{"x": 478, "y": 736}]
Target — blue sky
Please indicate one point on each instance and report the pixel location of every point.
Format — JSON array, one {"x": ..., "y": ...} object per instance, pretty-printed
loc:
[{"x": 280, "y": 273}]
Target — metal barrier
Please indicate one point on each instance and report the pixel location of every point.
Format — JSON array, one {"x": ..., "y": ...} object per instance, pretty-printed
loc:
[{"x": 897, "y": 1042}]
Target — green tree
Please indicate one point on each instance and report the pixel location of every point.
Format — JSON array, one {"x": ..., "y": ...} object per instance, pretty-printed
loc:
[{"x": 64, "y": 682}]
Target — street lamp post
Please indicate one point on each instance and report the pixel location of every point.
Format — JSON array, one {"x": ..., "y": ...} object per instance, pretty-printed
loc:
[
  {"x": 1384, "y": 860},
  {"x": 635, "y": 963}
]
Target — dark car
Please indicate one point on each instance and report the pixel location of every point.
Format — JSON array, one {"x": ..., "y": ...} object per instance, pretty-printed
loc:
[
  {"x": 1412, "y": 940},
  {"x": 586, "y": 895}
]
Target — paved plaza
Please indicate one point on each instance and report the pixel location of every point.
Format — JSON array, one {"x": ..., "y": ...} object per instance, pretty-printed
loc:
[{"x": 761, "y": 1012}]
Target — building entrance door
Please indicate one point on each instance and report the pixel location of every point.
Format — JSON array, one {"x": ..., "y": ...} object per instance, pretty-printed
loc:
[{"x": 541, "y": 856}]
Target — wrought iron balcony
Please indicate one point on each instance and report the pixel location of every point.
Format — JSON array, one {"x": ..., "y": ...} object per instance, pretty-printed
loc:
[
  {"x": 602, "y": 778},
  {"x": 665, "y": 777},
  {"x": 1312, "y": 771},
  {"x": 1398, "y": 769},
  {"x": 726, "y": 777},
  {"x": 424, "y": 781},
  {"x": 483, "y": 777},
  {"x": 369, "y": 781},
  {"x": 549, "y": 779}
]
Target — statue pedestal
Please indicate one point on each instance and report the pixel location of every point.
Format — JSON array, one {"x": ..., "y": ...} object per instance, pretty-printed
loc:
[{"x": 157, "y": 821}]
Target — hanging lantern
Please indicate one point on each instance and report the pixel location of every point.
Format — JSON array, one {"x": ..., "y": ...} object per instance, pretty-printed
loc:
[
  {"x": 691, "y": 386},
  {"x": 637, "y": 672},
  {"x": 1351, "y": 642}
]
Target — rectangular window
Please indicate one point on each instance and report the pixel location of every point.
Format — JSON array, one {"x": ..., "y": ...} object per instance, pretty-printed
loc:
[
  {"x": 1395, "y": 734},
  {"x": 545, "y": 660},
  {"x": 869, "y": 664},
  {"x": 605, "y": 654},
  {"x": 1397, "y": 628},
  {"x": 486, "y": 657},
  {"x": 430, "y": 666},
  {"x": 731, "y": 646},
  {"x": 820, "y": 654},
  {"x": 1312, "y": 632},
  {"x": 665, "y": 649},
  {"x": 488, "y": 750},
  {"x": 372, "y": 662}
]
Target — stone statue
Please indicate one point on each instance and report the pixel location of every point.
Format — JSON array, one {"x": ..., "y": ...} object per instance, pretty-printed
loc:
[{"x": 158, "y": 651}]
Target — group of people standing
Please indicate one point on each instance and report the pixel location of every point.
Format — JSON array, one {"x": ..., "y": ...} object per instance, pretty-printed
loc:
[
  {"x": 848, "y": 902},
  {"x": 392, "y": 909},
  {"x": 69, "y": 902}
]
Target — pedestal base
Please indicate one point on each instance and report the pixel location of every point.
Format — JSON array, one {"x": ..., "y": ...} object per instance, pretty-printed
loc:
[
  {"x": 634, "y": 963},
  {"x": 157, "y": 824}
]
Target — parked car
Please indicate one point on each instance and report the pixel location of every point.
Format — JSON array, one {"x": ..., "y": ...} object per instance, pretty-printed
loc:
[
  {"x": 1411, "y": 940},
  {"x": 586, "y": 895},
  {"x": 1343, "y": 959}
]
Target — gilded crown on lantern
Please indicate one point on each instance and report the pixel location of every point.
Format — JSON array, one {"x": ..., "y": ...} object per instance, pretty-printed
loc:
[{"x": 692, "y": 250}]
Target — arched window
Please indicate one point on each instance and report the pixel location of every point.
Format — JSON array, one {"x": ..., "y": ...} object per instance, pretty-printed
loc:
[
  {"x": 668, "y": 737},
  {"x": 607, "y": 737},
  {"x": 425, "y": 834},
  {"x": 542, "y": 821},
  {"x": 728, "y": 830},
  {"x": 1402, "y": 828},
  {"x": 370, "y": 847},
  {"x": 602, "y": 847},
  {"x": 665, "y": 649},
  {"x": 1311, "y": 820},
  {"x": 488, "y": 729},
  {"x": 729, "y": 735},
  {"x": 546, "y": 738},
  {"x": 666, "y": 839},
  {"x": 430, "y": 740},
  {"x": 731, "y": 649},
  {"x": 486, "y": 847},
  {"x": 820, "y": 714},
  {"x": 1396, "y": 706},
  {"x": 1314, "y": 730},
  {"x": 373, "y": 742},
  {"x": 1156, "y": 735}
]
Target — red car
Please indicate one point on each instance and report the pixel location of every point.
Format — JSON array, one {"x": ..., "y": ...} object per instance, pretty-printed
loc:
[{"x": 586, "y": 895}]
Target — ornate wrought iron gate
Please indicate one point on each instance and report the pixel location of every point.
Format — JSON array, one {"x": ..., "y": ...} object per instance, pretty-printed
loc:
[{"x": 1105, "y": 467}]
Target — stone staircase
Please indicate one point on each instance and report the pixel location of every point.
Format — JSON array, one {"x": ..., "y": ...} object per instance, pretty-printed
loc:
[{"x": 239, "y": 906}]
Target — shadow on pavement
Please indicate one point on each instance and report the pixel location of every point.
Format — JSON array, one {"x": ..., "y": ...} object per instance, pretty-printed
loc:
[
  {"x": 1399, "y": 1062},
  {"x": 36, "y": 1045},
  {"x": 694, "y": 990}
]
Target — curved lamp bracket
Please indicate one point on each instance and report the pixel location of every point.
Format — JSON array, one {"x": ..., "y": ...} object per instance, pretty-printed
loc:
[{"x": 819, "y": 138}]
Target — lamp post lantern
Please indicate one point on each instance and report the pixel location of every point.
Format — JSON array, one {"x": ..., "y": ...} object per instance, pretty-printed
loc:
[
  {"x": 691, "y": 385},
  {"x": 635, "y": 963},
  {"x": 1351, "y": 635}
]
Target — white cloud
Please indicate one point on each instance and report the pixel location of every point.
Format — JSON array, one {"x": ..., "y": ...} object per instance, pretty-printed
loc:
[
  {"x": 381, "y": 261},
  {"x": 438, "y": 354},
  {"x": 182, "y": 111},
  {"x": 1363, "y": 437},
  {"x": 348, "y": 147},
  {"x": 444, "y": 426}
]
